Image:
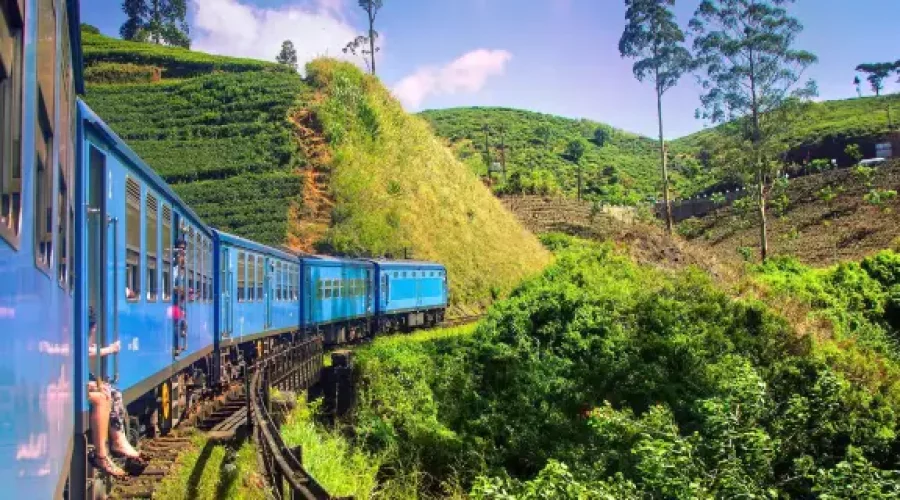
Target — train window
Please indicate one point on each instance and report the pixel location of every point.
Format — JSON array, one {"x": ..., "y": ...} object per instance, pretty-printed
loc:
[
  {"x": 62, "y": 195},
  {"x": 10, "y": 121},
  {"x": 152, "y": 238},
  {"x": 241, "y": 293},
  {"x": 295, "y": 277},
  {"x": 326, "y": 286},
  {"x": 396, "y": 274},
  {"x": 260, "y": 271},
  {"x": 251, "y": 277},
  {"x": 189, "y": 264},
  {"x": 320, "y": 290},
  {"x": 132, "y": 239},
  {"x": 207, "y": 266},
  {"x": 166, "y": 253}
]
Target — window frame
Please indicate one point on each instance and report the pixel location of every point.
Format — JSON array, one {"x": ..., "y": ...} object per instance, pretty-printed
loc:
[
  {"x": 12, "y": 69},
  {"x": 138, "y": 272},
  {"x": 166, "y": 266},
  {"x": 241, "y": 276},
  {"x": 152, "y": 250},
  {"x": 260, "y": 278}
]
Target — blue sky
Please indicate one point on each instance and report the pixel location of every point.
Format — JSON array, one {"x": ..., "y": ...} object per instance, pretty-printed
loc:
[{"x": 553, "y": 56}]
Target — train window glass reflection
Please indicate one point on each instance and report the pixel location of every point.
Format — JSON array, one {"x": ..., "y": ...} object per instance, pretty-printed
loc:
[
  {"x": 260, "y": 272},
  {"x": 167, "y": 253},
  {"x": 10, "y": 121},
  {"x": 132, "y": 239},
  {"x": 152, "y": 245},
  {"x": 241, "y": 292}
]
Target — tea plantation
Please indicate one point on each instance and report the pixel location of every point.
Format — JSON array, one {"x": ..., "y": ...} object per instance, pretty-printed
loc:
[{"x": 222, "y": 140}]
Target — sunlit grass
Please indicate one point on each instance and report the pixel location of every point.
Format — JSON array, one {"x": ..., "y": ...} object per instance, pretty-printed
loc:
[
  {"x": 341, "y": 468},
  {"x": 203, "y": 473}
]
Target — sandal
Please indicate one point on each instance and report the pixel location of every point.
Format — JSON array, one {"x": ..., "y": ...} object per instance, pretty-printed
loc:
[
  {"x": 106, "y": 465},
  {"x": 138, "y": 459}
]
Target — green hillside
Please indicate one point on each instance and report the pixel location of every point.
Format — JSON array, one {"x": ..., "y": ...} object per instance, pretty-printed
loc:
[
  {"x": 221, "y": 140},
  {"x": 827, "y": 127},
  {"x": 396, "y": 186},
  {"x": 331, "y": 164},
  {"x": 620, "y": 168}
]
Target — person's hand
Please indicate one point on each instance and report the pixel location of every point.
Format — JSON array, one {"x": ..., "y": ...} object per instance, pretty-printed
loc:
[{"x": 115, "y": 347}]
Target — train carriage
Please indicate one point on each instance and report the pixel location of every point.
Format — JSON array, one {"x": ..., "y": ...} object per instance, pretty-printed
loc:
[
  {"x": 409, "y": 293},
  {"x": 259, "y": 292},
  {"x": 40, "y": 74},
  {"x": 337, "y": 298},
  {"x": 147, "y": 271}
]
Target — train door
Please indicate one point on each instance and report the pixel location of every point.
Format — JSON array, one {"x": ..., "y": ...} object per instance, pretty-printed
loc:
[
  {"x": 226, "y": 280},
  {"x": 368, "y": 291},
  {"x": 181, "y": 289},
  {"x": 101, "y": 235}
]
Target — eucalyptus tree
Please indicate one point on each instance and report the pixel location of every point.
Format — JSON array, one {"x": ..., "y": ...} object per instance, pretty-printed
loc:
[
  {"x": 657, "y": 42},
  {"x": 371, "y": 7},
  {"x": 752, "y": 73}
]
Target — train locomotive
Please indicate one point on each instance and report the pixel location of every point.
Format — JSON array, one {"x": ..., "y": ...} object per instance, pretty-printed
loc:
[{"x": 88, "y": 229}]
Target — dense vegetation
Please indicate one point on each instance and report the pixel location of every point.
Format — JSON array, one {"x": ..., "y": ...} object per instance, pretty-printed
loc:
[
  {"x": 396, "y": 187},
  {"x": 604, "y": 379},
  {"x": 618, "y": 167},
  {"x": 624, "y": 168},
  {"x": 221, "y": 140}
]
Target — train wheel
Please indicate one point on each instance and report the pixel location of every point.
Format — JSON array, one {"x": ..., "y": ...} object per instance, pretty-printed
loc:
[{"x": 164, "y": 411}]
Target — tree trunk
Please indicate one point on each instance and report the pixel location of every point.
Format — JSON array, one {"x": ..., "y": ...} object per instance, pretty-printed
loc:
[
  {"x": 372, "y": 40},
  {"x": 763, "y": 235},
  {"x": 664, "y": 162}
]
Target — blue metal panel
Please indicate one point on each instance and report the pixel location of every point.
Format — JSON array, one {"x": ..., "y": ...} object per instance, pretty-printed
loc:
[
  {"x": 145, "y": 327},
  {"x": 410, "y": 286},
  {"x": 37, "y": 377},
  {"x": 336, "y": 290},
  {"x": 269, "y": 312}
]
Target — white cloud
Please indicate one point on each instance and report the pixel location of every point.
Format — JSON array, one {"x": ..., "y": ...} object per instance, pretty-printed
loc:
[
  {"x": 468, "y": 73},
  {"x": 236, "y": 28}
]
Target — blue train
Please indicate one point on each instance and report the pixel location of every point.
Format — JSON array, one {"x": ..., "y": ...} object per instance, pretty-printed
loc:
[{"x": 86, "y": 227}]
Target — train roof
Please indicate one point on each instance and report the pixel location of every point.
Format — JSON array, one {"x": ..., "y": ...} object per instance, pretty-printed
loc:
[
  {"x": 149, "y": 175},
  {"x": 386, "y": 263},
  {"x": 328, "y": 260},
  {"x": 74, "y": 13},
  {"x": 235, "y": 240}
]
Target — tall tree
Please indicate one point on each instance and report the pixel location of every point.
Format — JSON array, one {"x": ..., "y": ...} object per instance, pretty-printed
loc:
[
  {"x": 877, "y": 73},
  {"x": 653, "y": 38},
  {"x": 752, "y": 73},
  {"x": 159, "y": 21},
  {"x": 371, "y": 7},
  {"x": 360, "y": 46},
  {"x": 288, "y": 54},
  {"x": 575, "y": 151}
]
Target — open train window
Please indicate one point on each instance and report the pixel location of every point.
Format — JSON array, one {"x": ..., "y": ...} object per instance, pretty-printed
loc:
[
  {"x": 260, "y": 271},
  {"x": 10, "y": 121},
  {"x": 295, "y": 278},
  {"x": 166, "y": 252},
  {"x": 279, "y": 273},
  {"x": 320, "y": 290},
  {"x": 132, "y": 239},
  {"x": 241, "y": 292},
  {"x": 152, "y": 246}
]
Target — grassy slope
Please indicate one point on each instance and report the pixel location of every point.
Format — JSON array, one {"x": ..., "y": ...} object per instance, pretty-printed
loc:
[
  {"x": 815, "y": 232},
  {"x": 221, "y": 140},
  {"x": 838, "y": 120},
  {"x": 395, "y": 186},
  {"x": 634, "y": 157}
]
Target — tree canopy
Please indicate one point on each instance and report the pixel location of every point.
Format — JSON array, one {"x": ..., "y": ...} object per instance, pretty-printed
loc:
[
  {"x": 157, "y": 21},
  {"x": 288, "y": 54}
]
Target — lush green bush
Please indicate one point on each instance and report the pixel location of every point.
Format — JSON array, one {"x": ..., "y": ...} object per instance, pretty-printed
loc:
[
  {"x": 107, "y": 72},
  {"x": 602, "y": 379}
]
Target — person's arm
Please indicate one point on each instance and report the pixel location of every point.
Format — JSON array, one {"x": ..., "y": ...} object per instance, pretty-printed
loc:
[{"x": 104, "y": 351}]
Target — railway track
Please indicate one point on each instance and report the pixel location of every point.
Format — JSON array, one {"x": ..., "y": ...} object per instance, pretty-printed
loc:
[{"x": 230, "y": 417}]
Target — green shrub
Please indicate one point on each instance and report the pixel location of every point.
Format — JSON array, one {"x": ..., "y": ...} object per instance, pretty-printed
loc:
[{"x": 107, "y": 72}]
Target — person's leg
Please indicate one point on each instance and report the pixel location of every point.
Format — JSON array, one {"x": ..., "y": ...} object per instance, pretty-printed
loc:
[
  {"x": 99, "y": 421},
  {"x": 100, "y": 406},
  {"x": 119, "y": 439}
]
